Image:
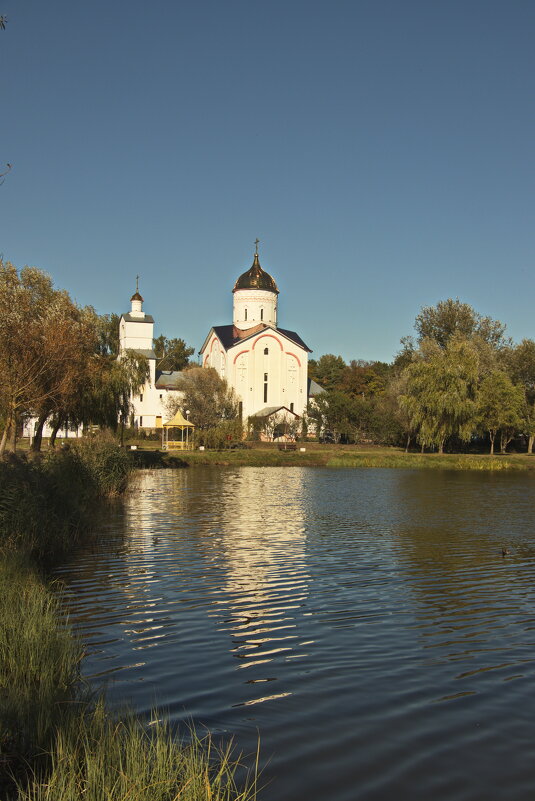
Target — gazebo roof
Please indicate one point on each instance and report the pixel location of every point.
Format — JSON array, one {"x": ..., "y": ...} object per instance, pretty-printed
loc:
[{"x": 178, "y": 421}]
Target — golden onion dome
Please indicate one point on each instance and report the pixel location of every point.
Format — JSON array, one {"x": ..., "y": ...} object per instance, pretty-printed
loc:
[{"x": 256, "y": 278}]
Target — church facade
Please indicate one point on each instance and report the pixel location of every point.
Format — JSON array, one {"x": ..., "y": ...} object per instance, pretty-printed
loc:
[
  {"x": 136, "y": 333},
  {"x": 267, "y": 366}
]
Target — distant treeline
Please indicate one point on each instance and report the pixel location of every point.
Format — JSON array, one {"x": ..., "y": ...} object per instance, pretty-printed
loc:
[{"x": 459, "y": 380}]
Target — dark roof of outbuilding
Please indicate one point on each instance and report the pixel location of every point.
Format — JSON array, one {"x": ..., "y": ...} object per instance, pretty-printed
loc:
[
  {"x": 267, "y": 411},
  {"x": 168, "y": 379},
  {"x": 313, "y": 388}
]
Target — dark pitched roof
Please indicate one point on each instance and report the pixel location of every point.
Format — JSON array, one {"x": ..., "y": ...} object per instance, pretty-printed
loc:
[
  {"x": 267, "y": 411},
  {"x": 148, "y": 354},
  {"x": 145, "y": 319},
  {"x": 168, "y": 379},
  {"x": 313, "y": 388},
  {"x": 229, "y": 335}
]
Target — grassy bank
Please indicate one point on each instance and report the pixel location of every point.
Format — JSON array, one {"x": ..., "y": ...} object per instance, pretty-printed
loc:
[
  {"x": 333, "y": 456},
  {"x": 56, "y": 742}
]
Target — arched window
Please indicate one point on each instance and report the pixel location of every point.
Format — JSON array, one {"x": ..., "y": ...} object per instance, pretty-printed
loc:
[
  {"x": 266, "y": 351},
  {"x": 245, "y": 314},
  {"x": 261, "y": 314}
]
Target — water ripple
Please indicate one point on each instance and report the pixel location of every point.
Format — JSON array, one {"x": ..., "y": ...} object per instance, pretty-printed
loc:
[{"x": 365, "y": 621}]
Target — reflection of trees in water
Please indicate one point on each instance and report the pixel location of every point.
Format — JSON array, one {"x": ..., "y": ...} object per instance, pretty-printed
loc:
[{"x": 450, "y": 542}]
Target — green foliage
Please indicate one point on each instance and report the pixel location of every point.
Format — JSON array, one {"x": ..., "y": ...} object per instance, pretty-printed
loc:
[
  {"x": 451, "y": 318},
  {"x": 45, "y": 505},
  {"x": 500, "y": 407},
  {"x": 172, "y": 354},
  {"x": 108, "y": 334},
  {"x": 207, "y": 397},
  {"x": 440, "y": 397},
  {"x": 221, "y": 435},
  {"x": 328, "y": 371}
]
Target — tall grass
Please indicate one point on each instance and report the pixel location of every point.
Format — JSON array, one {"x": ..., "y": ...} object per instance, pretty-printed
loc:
[
  {"x": 39, "y": 666},
  {"x": 45, "y": 505},
  {"x": 428, "y": 461},
  {"x": 96, "y": 758}
]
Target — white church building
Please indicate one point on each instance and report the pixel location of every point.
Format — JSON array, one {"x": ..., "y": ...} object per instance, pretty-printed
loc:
[
  {"x": 136, "y": 333},
  {"x": 266, "y": 365}
]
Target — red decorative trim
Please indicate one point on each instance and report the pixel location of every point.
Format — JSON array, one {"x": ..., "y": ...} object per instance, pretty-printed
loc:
[
  {"x": 263, "y": 336},
  {"x": 295, "y": 357},
  {"x": 239, "y": 354},
  {"x": 206, "y": 358},
  {"x": 214, "y": 340}
]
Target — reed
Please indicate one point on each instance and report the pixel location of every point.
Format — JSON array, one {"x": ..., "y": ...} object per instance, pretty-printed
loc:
[
  {"x": 46, "y": 505},
  {"x": 96, "y": 757},
  {"x": 430, "y": 461}
]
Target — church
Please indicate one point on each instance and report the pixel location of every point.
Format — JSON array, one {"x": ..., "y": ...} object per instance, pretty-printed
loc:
[
  {"x": 136, "y": 333},
  {"x": 267, "y": 366}
]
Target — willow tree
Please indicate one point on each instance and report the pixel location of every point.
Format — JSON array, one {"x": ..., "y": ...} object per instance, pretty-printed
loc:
[
  {"x": 500, "y": 408},
  {"x": 520, "y": 364},
  {"x": 451, "y": 319},
  {"x": 40, "y": 339},
  {"x": 440, "y": 392}
]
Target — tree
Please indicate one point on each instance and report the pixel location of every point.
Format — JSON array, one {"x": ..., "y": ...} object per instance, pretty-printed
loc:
[
  {"x": 451, "y": 318},
  {"x": 328, "y": 371},
  {"x": 365, "y": 378},
  {"x": 440, "y": 396},
  {"x": 208, "y": 398},
  {"x": 62, "y": 383},
  {"x": 334, "y": 414},
  {"x": 40, "y": 334},
  {"x": 520, "y": 363},
  {"x": 500, "y": 408},
  {"x": 108, "y": 334},
  {"x": 172, "y": 354}
]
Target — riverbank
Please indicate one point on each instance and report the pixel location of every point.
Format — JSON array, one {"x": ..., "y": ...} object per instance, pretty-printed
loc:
[
  {"x": 328, "y": 456},
  {"x": 57, "y": 742}
]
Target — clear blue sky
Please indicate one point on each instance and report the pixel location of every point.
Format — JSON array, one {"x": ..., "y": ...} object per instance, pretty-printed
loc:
[{"x": 382, "y": 151}]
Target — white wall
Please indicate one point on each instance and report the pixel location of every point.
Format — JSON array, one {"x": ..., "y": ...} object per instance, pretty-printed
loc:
[{"x": 252, "y": 307}]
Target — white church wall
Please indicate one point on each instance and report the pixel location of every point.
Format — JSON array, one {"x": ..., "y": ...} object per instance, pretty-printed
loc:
[
  {"x": 254, "y": 307},
  {"x": 136, "y": 335}
]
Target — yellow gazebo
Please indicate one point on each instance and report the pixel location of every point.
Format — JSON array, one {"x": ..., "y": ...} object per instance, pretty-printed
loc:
[{"x": 178, "y": 423}]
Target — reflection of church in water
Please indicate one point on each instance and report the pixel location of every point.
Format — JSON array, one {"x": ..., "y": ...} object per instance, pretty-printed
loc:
[{"x": 266, "y": 365}]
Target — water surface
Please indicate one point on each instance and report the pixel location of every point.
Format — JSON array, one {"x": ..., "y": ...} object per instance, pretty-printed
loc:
[{"x": 364, "y": 622}]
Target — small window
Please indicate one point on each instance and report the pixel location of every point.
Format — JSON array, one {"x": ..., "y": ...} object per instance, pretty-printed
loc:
[
  {"x": 265, "y": 376},
  {"x": 141, "y": 422},
  {"x": 161, "y": 396},
  {"x": 141, "y": 398},
  {"x": 266, "y": 351},
  {"x": 261, "y": 314},
  {"x": 291, "y": 407},
  {"x": 240, "y": 409},
  {"x": 245, "y": 314}
]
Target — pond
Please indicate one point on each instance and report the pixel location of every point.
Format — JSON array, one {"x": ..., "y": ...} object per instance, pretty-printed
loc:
[{"x": 363, "y": 623}]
